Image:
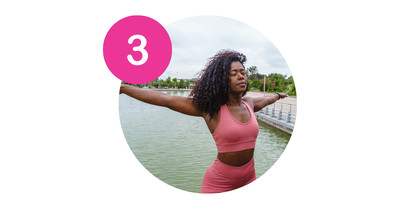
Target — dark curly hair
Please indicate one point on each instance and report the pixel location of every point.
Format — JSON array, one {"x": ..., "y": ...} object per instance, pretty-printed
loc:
[{"x": 212, "y": 88}]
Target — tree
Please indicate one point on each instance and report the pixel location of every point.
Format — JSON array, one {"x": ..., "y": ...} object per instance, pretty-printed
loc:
[
  {"x": 273, "y": 84},
  {"x": 279, "y": 82},
  {"x": 154, "y": 83},
  {"x": 162, "y": 83},
  {"x": 292, "y": 90},
  {"x": 253, "y": 73},
  {"x": 255, "y": 84},
  {"x": 291, "y": 86},
  {"x": 168, "y": 82},
  {"x": 175, "y": 81},
  {"x": 181, "y": 84},
  {"x": 187, "y": 84},
  {"x": 267, "y": 84}
]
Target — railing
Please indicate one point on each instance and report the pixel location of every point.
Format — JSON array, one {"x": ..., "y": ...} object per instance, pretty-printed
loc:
[{"x": 281, "y": 111}]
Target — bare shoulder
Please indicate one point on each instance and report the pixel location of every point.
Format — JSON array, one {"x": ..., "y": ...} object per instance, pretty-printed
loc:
[
  {"x": 249, "y": 100},
  {"x": 260, "y": 102}
]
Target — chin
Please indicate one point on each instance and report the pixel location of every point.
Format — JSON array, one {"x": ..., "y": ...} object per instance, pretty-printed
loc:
[{"x": 239, "y": 90}]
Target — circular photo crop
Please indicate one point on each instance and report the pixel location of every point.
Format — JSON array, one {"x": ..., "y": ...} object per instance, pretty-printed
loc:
[{"x": 220, "y": 115}]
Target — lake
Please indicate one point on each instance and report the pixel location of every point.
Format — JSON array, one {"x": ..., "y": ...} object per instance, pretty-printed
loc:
[{"x": 178, "y": 149}]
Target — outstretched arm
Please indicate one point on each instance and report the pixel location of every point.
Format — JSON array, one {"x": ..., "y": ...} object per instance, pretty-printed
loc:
[
  {"x": 261, "y": 102},
  {"x": 177, "y": 103}
]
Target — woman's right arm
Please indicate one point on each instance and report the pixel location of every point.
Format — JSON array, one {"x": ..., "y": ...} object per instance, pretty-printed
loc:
[{"x": 177, "y": 103}]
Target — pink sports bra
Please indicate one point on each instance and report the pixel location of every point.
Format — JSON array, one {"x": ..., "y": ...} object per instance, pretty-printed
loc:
[{"x": 232, "y": 135}]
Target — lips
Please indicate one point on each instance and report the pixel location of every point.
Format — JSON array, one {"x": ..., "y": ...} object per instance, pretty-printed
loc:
[{"x": 241, "y": 84}]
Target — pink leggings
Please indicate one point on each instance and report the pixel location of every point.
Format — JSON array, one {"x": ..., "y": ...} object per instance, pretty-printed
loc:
[{"x": 220, "y": 177}]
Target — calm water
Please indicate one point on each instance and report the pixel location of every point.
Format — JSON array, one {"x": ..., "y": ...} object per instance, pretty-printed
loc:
[{"x": 178, "y": 149}]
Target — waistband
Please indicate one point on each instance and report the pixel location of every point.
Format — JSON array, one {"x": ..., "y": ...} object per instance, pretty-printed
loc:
[{"x": 236, "y": 172}]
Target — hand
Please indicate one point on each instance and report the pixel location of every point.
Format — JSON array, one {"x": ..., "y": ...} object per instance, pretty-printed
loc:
[
  {"x": 283, "y": 95},
  {"x": 122, "y": 88}
]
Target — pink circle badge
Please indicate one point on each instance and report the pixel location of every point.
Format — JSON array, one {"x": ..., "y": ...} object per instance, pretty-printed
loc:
[{"x": 137, "y": 49}]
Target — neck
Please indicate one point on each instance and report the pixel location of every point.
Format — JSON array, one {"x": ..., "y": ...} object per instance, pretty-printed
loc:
[{"x": 235, "y": 99}]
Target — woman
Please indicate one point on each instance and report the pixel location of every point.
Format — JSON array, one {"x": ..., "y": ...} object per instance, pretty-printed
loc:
[{"x": 218, "y": 97}]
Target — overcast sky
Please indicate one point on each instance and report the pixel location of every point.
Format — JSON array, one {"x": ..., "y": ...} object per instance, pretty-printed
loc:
[{"x": 196, "y": 39}]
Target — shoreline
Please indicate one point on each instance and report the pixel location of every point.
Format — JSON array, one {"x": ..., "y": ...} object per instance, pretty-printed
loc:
[
  {"x": 249, "y": 93},
  {"x": 289, "y": 99},
  {"x": 157, "y": 89}
]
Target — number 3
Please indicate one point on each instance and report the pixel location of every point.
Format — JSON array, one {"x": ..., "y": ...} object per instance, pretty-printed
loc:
[{"x": 139, "y": 48}]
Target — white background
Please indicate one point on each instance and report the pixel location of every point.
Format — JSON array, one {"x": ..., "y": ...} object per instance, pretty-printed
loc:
[{"x": 61, "y": 141}]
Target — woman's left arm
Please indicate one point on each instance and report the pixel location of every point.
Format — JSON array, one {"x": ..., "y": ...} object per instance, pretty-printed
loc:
[{"x": 261, "y": 102}]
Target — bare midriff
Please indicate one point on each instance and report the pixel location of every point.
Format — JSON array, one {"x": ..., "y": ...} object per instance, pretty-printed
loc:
[{"x": 238, "y": 158}]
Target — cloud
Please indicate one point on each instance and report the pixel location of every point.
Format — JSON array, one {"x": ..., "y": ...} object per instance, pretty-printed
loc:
[{"x": 196, "y": 39}]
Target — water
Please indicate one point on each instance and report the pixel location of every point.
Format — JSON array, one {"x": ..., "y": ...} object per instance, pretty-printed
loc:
[{"x": 178, "y": 149}]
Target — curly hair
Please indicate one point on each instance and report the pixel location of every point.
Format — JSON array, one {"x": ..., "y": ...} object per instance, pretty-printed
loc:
[{"x": 212, "y": 88}]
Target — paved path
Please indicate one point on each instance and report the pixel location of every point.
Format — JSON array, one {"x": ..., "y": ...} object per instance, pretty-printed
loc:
[{"x": 289, "y": 104}]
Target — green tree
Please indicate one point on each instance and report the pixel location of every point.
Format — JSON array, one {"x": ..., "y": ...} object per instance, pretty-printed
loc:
[
  {"x": 181, "y": 84},
  {"x": 278, "y": 82},
  {"x": 162, "y": 83},
  {"x": 154, "y": 83},
  {"x": 273, "y": 84},
  {"x": 290, "y": 80},
  {"x": 175, "y": 82},
  {"x": 187, "y": 84},
  {"x": 291, "y": 86},
  {"x": 267, "y": 84},
  {"x": 255, "y": 84},
  {"x": 252, "y": 72},
  {"x": 292, "y": 90},
  {"x": 168, "y": 82}
]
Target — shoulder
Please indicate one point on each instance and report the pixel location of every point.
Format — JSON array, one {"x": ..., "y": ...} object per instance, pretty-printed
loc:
[{"x": 249, "y": 100}]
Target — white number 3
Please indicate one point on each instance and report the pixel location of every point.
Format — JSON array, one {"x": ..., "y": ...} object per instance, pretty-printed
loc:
[{"x": 139, "y": 48}]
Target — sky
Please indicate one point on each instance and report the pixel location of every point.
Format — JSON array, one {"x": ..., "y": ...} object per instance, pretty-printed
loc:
[{"x": 196, "y": 39}]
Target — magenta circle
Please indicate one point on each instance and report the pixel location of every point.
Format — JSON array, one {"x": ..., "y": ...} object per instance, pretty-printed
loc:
[{"x": 116, "y": 49}]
